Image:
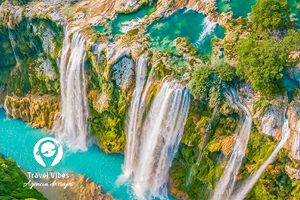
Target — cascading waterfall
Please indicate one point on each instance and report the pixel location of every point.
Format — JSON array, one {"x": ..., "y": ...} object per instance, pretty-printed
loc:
[
  {"x": 227, "y": 182},
  {"x": 250, "y": 182},
  {"x": 160, "y": 137},
  {"x": 153, "y": 143},
  {"x": 72, "y": 128},
  {"x": 208, "y": 28},
  {"x": 134, "y": 120}
]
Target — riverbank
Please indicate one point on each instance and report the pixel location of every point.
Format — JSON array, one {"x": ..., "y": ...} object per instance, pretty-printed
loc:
[{"x": 73, "y": 187}]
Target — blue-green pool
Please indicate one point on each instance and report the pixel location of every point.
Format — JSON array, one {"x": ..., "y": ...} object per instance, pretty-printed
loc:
[
  {"x": 182, "y": 23},
  {"x": 17, "y": 140},
  {"x": 116, "y": 24},
  {"x": 295, "y": 11},
  {"x": 240, "y": 8}
]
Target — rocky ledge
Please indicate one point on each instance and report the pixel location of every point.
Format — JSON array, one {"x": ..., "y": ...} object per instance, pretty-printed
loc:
[
  {"x": 39, "y": 111},
  {"x": 73, "y": 187}
]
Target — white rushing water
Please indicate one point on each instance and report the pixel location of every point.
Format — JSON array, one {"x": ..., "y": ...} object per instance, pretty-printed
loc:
[
  {"x": 161, "y": 134},
  {"x": 153, "y": 142},
  {"x": 208, "y": 28},
  {"x": 134, "y": 120},
  {"x": 129, "y": 25},
  {"x": 13, "y": 46},
  {"x": 71, "y": 128},
  {"x": 227, "y": 182},
  {"x": 250, "y": 182}
]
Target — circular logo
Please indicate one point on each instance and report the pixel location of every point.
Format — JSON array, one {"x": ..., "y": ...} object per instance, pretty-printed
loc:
[{"x": 48, "y": 152}]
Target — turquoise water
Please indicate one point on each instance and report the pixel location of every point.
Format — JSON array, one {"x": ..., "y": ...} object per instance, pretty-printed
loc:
[
  {"x": 100, "y": 28},
  {"x": 182, "y": 23},
  {"x": 240, "y": 8},
  {"x": 17, "y": 140},
  {"x": 295, "y": 11},
  {"x": 121, "y": 18},
  {"x": 289, "y": 83}
]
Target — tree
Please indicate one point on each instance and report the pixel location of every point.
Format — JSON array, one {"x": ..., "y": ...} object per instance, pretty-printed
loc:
[
  {"x": 201, "y": 82},
  {"x": 270, "y": 15},
  {"x": 226, "y": 72},
  {"x": 262, "y": 58}
]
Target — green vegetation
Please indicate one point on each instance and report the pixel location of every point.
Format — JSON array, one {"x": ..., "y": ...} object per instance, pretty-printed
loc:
[
  {"x": 33, "y": 48},
  {"x": 262, "y": 58},
  {"x": 270, "y": 15},
  {"x": 208, "y": 82},
  {"x": 12, "y": 181},
  {"x": 206, "y": 85},
  {"x": 264, "y": 53},
  {"x": 226, "y": 72},
  {"x": 259, "y": 49},
  {"x": 256, "y": 50}
]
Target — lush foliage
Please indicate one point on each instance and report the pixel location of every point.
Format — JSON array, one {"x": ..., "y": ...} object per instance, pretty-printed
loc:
[
  {"x": 28, "y": 52},
  {"x": 270, "y": 15},
  {"x": 262, "y": 58},
  {"x": 226, "y": 72},
  {"x": 206, "y": 85},
  {"x": 12, "y": 181}
]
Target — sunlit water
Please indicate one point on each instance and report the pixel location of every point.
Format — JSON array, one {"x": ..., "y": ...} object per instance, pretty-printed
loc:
[
  {"x": 17, "y": 140},
  {"x": 240, "y": 8},
  {"x": 184, "y": 23},
  {"x": 123, "y": 22}
]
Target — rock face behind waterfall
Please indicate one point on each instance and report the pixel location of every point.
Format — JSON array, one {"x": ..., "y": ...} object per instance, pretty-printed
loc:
[{"x": 294, "y": 119}]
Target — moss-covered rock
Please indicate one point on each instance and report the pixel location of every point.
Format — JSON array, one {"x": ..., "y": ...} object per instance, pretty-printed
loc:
[{"x": 39, "y": 111}]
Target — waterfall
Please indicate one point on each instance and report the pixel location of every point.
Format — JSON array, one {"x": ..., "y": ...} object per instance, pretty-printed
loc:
[
  {"x": 72, "y": 128},
  {"x": 161, "y": 134},
  {"x": 13, "y": 46},
  {"x": 250, "y": 182},
  {"x": 133, "y": 122},
  {"x": 129, "y": 25},
  {"x": 226, "y": 183},
  {"x": 208, "y": 28},
  {"x": 153, "y": 142}
]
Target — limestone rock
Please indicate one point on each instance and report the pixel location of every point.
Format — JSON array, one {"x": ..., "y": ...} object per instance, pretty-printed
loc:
[
  {"x": 45, "y": 70},
  {"x": 247, "y": 96},
  {"x": 173, "y": 189},
  {"x": 270, "y": 122},
  {"x": 227, "y": 144},
  {"x": 39, "y": 111},
  {"x": 123, "y": 72},
  {"x": 292, "y": 172},
  {"x": 78, "y": 187},
  {"x": 294, "y": 122},
  {"x": 100, "y": 102}
]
